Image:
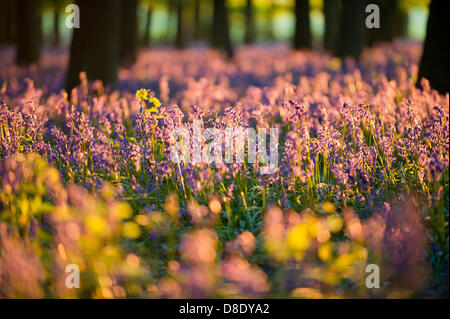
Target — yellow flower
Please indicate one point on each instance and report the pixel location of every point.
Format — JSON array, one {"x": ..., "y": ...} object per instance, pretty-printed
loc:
[
  {"x": 131, "y": 230},
  {"x": 334, "y": 223},
  {"x": 96, "y": 224},
  {"x": 325, "y": 252},
  {"x": 328, "y": 207},
  {"x": 123, "y": 210},
  {"x": 155, "y": 102},
  {"x": 151, "y": 107},
  {"x": 142, "y": 94},
  {"x": 298, "y": 240}
]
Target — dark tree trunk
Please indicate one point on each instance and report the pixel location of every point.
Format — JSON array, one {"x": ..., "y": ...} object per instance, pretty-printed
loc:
[
  {"x": 56, "y": 39},
  {"x": 352, "y": 26},
  {"x": 332, "y": 12},
  {"x": 249, "y": 23},
  {"x": 41, "y": 34},
  {"x": 148, "y": 22},
  {"x": 128, "y": 32},
  {"x": 95, "y": 45},
  {"x": 7, "y": 21},
  {"x": 302, "y": 36},
  {"x": 269, "y": 19},
  {"x": 197, "y": 19},
  {"x": 29, "y": 32},
  {"x": 171, "y": 7},
  {"x": 56, "y": 36},
  {"x": 386, "y": 32},
  {"x": 400, "y": 23},
  {"x": 220, "y": 29},
  {"x": 434, "y": 63},
  {"x": 179, "y": 38},
  {"x": 387, "y": 17}
]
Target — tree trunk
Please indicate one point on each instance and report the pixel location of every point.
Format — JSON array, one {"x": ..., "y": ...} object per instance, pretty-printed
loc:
[
  {"x": 332, "y": 12},
  {"x": 7, "y": 21},
  {"x": 387, "y": 23},
  {"x": 197, "y": 20},
  {"x": 29, "y": 32},
  {"x": 302, "y": 36},
  {"x": 220, "y": 29},
  {"x": 400, "y": 23},
  {"x": 249, "y": 23},
  {"x": 56, "y": 10},
  {"x": 95, "y": 45},
  {"x": 179, "y": 38},
  {"x": 352, "y": 28},
  {"x": 171, "y": 7},
  {"x": 434, "y": 63},
  {"x": 148, "y": 23},
  {"x": 269, "y": 18},
  {"x": 128, "y": 32}
]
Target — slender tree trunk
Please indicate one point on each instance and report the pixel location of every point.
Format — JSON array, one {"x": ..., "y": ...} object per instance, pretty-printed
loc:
[
  {"x": 95, "y": 45},
  {"x": 148, "y": 22},
  {"x": 220, "y": 29},
  {"x": 4, "y": 30},
  {"x": 29, "y": 32},
  {"x": 7, "y": 21},
  {"x": 197, "y": 20},
  {"x": 387, "y": 23},
  {"x": 434, "y": 63},
  {"x": 352, "y": 28},
  {"x": 56, "y": 39},
  {"x": 179, "y": 38},
  {"x": 387, "y": 35},
  {"x": 302, "y": 36},
  {"x": 332, "y": 12},
  {"x": 269, "y": 18},
  {"x": 41, "y": 33},
  {"x": 400, "y": 23},
  {"x": 249, "y": 23},
  {"x": 56, "y": 10},
  {"x": 171, "y": 7},
  {"x": 128, "y": 32}
]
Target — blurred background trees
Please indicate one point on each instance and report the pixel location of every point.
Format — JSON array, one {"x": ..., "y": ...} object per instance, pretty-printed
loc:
[
  {"x": 28, "y": 17},
  {"x": 302, "y": 35},
  {"x": 352, "y": 28},
  {"x": 434, "y": 62},
  {"x": 249, "y": 23},
  {"x": 335, "y": 26},
  {"x": 179, "y": 39},
  {"x": 95, "y": 47},
  {"x": 128, "y": 32},
  {"x": 57, "y": 6},
  {"x": 391, "y": 13},
  {"x": 220, "y": 35},
  {"x": 332, "y": 15},
  {"x": 148, "y": 22},
  {"x": 7, "y": 21}
]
